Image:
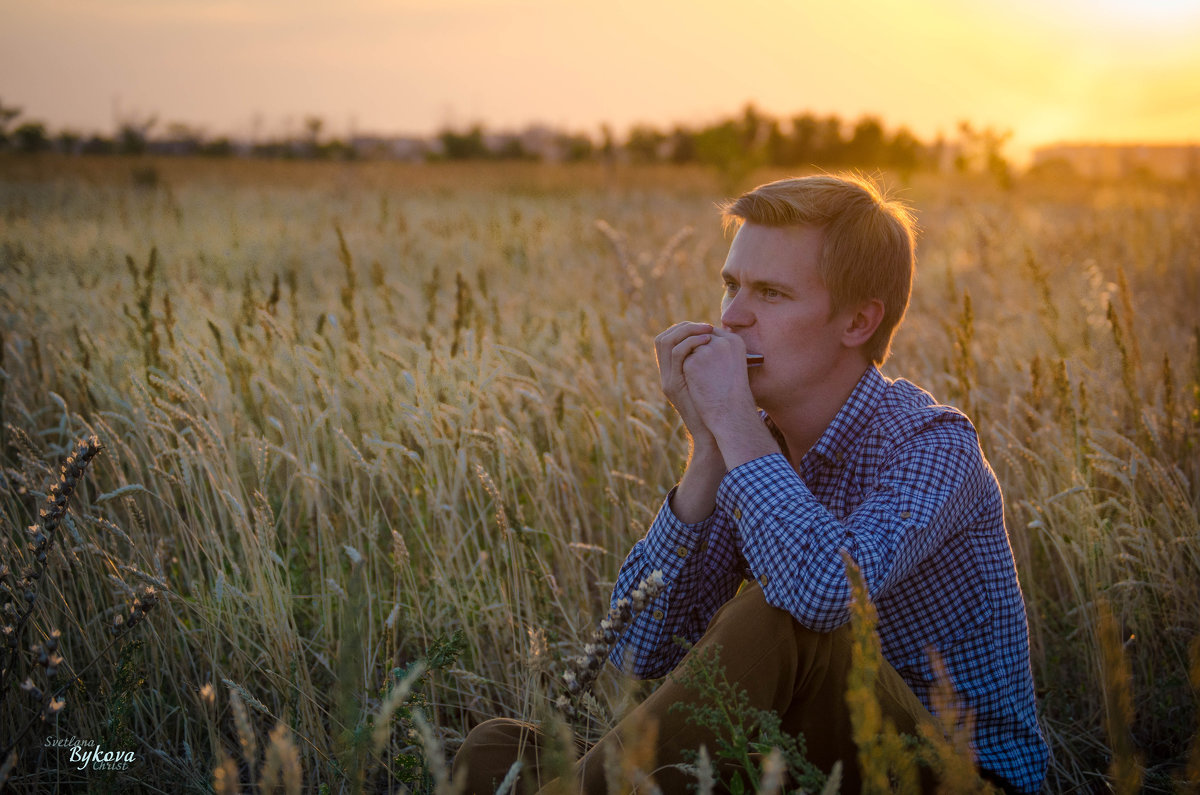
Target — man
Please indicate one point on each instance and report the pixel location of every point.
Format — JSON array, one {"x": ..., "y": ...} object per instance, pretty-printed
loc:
[{"x": 809, "y": 455}]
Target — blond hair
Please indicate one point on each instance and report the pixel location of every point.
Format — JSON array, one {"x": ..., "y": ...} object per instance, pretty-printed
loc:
[{"x": 869, "y": 244}]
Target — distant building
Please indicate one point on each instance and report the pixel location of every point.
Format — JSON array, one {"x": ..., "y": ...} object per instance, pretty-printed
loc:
[{"x": 1114, "y": 161}]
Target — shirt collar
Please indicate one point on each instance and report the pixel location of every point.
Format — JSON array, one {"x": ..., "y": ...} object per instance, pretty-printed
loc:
[{"x": 841, "y": 435}]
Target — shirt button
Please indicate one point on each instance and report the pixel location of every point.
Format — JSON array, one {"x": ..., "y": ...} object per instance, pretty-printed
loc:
[
  {"x": 681, "y": 551},
  {"x": 658, "y": 615},
  {"x": 763, "y": 579},
  {"x": 906, "y": 514},
  {"x": 737, "y": 513},
  {"x": 703, "y": 546}
]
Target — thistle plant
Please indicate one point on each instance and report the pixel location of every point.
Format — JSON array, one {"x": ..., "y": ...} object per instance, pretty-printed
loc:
[
  {"x": 582, "y": 671},
  {"x": 142, "y": 603},
  {"x": 23, "y": 591},
  {"x": 20, "y": 595}
]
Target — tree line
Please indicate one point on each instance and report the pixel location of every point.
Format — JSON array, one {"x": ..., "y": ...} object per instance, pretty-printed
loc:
[{"x": 733, "y": 144}]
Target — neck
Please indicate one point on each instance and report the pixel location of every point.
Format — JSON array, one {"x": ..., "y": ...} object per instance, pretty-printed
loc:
[{"x": 801, "y": 422}]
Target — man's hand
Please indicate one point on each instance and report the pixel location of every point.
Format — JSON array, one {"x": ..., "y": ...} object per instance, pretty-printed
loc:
[
  {"x": 719, "y": 388},
  {"x": 672, "y": 348},
  {"x": 716, "y": 379},
  {"x": 696, "y": 495}
]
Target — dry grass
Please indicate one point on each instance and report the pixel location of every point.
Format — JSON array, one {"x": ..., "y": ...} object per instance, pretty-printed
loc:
[{"x": 352, "y": 408}]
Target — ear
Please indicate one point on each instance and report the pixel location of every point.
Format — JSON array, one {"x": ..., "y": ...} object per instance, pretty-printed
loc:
[{"x": 862, "y": 323}]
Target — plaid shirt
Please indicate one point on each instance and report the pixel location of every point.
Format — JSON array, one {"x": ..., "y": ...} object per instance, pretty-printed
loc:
[{"x": 899, "y": 482}]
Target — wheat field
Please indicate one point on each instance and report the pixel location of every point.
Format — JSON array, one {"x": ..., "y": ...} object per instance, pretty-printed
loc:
[{"x": 348, "y": 410}]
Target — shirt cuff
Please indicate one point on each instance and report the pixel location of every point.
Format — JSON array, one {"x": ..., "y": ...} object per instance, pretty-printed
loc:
[{"x": 671, "y": 543}]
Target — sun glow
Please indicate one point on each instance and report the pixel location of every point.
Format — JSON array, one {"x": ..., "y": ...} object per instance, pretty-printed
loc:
[{"x": 1070, "y": 69}]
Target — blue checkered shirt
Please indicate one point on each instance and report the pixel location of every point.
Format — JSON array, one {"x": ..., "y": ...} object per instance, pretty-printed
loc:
[{"x": 899, "y": 482}]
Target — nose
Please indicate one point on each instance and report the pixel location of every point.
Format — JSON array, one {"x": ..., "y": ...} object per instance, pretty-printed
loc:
[{"x": 735, "y": 312}]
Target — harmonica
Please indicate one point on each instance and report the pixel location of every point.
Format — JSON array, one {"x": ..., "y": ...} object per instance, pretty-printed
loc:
[{"x": 754, "y": 359}]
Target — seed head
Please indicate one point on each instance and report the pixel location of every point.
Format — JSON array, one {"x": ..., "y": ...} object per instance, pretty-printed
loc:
[{"x": 584, "y": 670}]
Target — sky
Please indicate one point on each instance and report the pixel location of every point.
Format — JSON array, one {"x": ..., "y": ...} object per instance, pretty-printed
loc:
[{"x": 1048, "y": 70}]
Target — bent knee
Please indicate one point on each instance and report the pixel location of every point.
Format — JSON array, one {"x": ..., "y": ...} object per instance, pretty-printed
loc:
[
  {"x": 748, "y": 621},
  {"x": 496, "y": 732},
  {"x": 750, "y": 609}
]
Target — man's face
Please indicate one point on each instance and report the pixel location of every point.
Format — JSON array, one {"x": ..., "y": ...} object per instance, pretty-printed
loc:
[{"x": 775, "y": 301}]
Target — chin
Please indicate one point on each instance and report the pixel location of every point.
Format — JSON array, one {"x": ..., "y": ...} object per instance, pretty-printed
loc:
[{"x": 757, "y": 391}]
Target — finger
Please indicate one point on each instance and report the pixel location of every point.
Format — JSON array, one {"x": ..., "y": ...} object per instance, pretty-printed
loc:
[
  {"x": 684, "y": 349},
  {"x": 671, "y": 366},
  {"x": 678, "y": 332},
  {"x": 666, "y": 342},
  {"x": 725, "y": 336}
]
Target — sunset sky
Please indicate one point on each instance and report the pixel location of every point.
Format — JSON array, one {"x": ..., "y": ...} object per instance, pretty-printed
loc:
[{"x": 1050, "y": 70}]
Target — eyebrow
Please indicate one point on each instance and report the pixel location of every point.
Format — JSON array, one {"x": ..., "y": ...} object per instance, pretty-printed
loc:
[{"x": 761, "y": 284}]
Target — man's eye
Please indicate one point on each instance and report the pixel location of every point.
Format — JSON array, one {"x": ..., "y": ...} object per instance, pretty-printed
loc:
[
  {"x": 771, "y": 292},
  {"x": 730, "y": 288}
]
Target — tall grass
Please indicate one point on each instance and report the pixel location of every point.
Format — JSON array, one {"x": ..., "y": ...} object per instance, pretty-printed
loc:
[{"x": 349, "y": 409}]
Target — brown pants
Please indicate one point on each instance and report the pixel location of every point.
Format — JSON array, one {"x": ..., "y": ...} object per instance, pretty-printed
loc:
[{"x": 798, "y": 673}]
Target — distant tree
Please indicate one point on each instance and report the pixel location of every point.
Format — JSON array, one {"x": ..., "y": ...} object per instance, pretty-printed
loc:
[
  {"x": 996, "y": 163},
  {"x": 779, "y": 148},
  {"x": 336, "y": 149},
  {"x": 720, "y": 145},
  {"x": 511, "y": 148},
  {"x": 463, "y": 146},
  {"x": 575, "y": 148},
  {"x": 866, "y": 145},
  {"x": 937, "y": 152},
  {"x": 68, "y": 142},
  {"x": 221, "y": 147},
  {"x": 31, "y": 138},
  {"x": 730, "y": 148},
  {"x": 904, "y": 151},
  {"x": 804, "y": 140},
  {"x": 682, "y": 142},
  {"x": 7, "y": 114},
  {"x": 271, "y": 149},
  {"x": 133, "y": 133},
  {"x": 753, "y": 128},
  {"x": 183, "y": 139},
  {"x": 644, "y": 143},
  {"x": 983, "y": 150},
  {"x": 99, "y": 145},
  {"x": 608, "y": 145},
  {"x": 830, "y": 147},
  {"x": 312, "y": 135}
]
